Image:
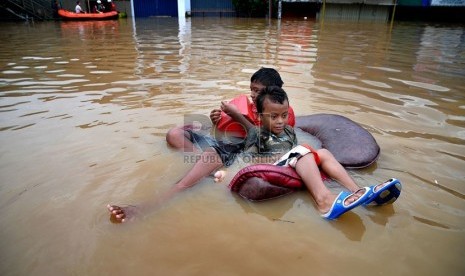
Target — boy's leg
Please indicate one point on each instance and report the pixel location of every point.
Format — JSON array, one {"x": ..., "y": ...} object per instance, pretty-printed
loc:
[
  {"x": 208, "y": 162},
  {"x": 178, "y": 138},
  {"x": 307, "y": 169},
  {"x": 335, "y": 170}
]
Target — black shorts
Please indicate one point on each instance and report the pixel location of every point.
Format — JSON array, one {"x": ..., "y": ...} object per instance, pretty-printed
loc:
[{"x": 227, "y": 149}]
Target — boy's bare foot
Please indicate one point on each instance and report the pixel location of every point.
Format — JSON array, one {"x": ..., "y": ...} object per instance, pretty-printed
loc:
[
  {"x": 121, "y": 214},
  {"x": 219, "y": 176}
]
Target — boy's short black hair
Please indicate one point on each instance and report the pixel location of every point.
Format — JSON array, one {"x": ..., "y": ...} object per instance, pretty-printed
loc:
[
  {"x": 274, "y": 93},
  {"x": 267, "y": 77}
]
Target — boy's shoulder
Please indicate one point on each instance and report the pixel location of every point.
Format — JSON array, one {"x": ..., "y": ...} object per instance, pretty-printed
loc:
[
  {"x": 289, "y": 129},
  {"x": 261, "y": 129}
]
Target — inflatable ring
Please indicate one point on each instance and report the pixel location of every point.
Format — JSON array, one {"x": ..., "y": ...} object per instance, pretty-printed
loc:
[
  {"x": 266, "y": 181},
  {"x": 351, "y": 145}
]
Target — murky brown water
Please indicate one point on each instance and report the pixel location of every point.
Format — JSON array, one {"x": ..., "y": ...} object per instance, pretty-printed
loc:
[{"x": 84, "y": 111}]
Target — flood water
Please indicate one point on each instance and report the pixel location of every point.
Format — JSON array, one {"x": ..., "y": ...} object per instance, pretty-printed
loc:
[{"x": 85, "y": 106}]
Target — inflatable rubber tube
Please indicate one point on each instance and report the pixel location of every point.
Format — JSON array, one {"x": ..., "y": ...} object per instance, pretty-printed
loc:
[
  {"x": 351, "y": 145},
  {"x": 266, "y": 181}
]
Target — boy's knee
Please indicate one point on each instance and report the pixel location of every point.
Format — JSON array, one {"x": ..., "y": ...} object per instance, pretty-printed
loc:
[
  {"x": 173, "y": 135},
  {"x": 323, "y": 152},
  {"x": 325, "y": 155}
]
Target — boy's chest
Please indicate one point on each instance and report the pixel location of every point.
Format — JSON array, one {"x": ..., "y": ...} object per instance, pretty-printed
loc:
[{"x": 271, "y": 143}]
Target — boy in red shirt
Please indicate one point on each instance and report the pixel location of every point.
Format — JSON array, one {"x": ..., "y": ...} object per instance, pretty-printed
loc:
[{"x": 215, "y": 152}]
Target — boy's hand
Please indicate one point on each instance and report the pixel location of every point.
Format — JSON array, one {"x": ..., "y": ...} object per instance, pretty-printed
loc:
[
  {"x": 236, "y": 115},
  {"x": 215, "y": 116},
  {"x": 229, "y": 108}
]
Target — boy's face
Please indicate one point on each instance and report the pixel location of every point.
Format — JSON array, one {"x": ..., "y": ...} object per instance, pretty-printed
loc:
[
  {"x": 255, "y": 88},
  {"x": 274, "y": 116}
]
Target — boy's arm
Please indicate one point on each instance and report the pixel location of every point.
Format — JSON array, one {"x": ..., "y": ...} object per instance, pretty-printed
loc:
[{"x": 233, "y": 111}]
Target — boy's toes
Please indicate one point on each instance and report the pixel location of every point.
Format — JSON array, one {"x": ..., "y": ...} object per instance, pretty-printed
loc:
[
  {"x": 117, "y": 214},
  {"x": 115, "y": 209},
  {"x": 120, "y": 216},
  {"x": 117, "y": 218},
  {"x": 111, "y": 207},
  {"x": 354, "y": 196}
]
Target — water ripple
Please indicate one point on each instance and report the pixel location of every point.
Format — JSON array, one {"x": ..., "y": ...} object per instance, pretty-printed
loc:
[
  {"x": 54, "y": 83},
  {"x": 423, "y": 85},
  {"x": 86, "y": 112}
]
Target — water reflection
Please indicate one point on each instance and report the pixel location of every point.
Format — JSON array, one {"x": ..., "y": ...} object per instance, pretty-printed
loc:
[{"x": 85, "y": 106}]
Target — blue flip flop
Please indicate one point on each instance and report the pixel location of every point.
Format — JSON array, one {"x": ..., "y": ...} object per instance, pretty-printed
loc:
[
  {"x": 338, "y": 208},
  {"x": 386, "y": 195}
]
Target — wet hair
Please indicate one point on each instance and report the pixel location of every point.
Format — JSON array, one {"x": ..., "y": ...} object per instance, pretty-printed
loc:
[
  {"x": 274, "y": 93},
  {"x": 267, "y": 77}
]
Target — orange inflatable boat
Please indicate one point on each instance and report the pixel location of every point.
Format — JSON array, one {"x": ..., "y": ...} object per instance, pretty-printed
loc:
[{"x": 68, "y": 15}]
